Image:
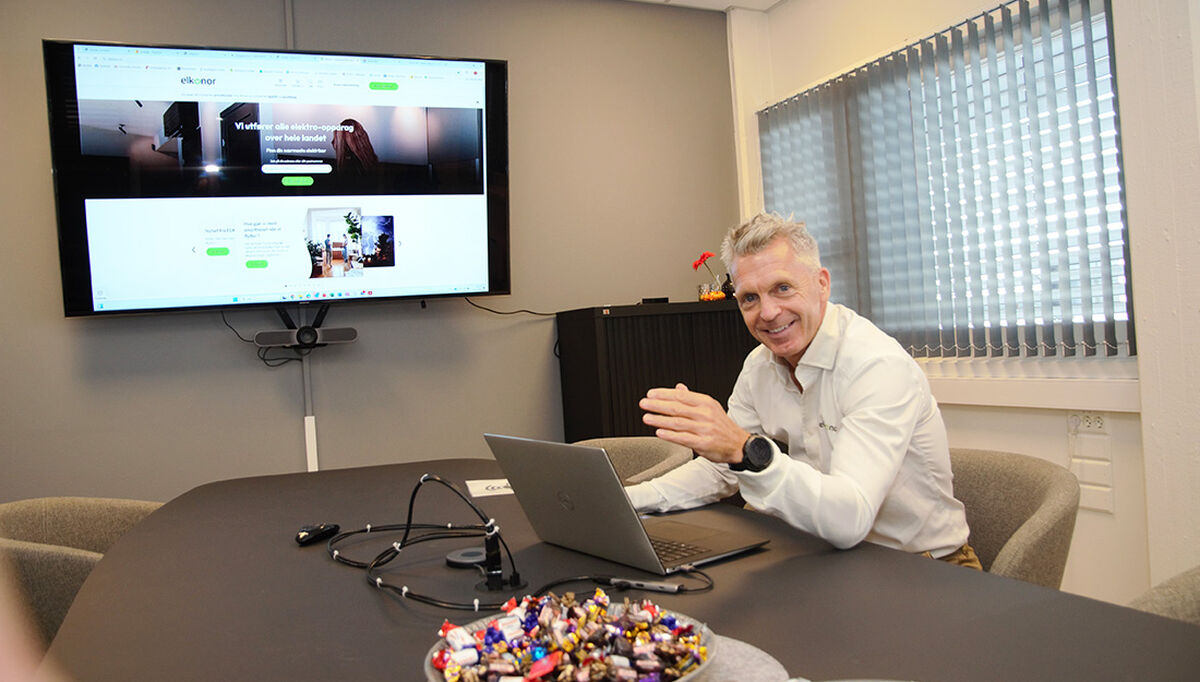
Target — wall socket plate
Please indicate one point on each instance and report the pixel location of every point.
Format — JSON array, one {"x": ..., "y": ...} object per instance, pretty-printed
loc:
[{"x": 1086, "y": 422}]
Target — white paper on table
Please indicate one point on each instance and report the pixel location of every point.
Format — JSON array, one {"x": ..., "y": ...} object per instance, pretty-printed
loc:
[{"x": 486, "y": 487}]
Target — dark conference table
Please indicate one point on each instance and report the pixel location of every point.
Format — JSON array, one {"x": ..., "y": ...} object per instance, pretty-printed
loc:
[{"x": 213, "y": 586}]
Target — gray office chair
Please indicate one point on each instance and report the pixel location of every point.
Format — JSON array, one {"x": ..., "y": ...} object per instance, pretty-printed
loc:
[
  {"x": 1021, "y": 511},
  {"x": 52, "y": 543},
  {"x": 1177, "y": 597},
  {"x": 641, "y": 458}
]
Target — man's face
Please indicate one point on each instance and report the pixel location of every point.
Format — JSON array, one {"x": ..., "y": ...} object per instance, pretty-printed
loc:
[{"x": 782, "y": 298}]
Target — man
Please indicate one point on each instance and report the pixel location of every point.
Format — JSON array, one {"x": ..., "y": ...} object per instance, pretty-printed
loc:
[{"x": 867, "y": 457}]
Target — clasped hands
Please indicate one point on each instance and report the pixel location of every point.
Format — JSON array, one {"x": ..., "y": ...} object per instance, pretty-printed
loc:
[{"x": 693, "y": 420}]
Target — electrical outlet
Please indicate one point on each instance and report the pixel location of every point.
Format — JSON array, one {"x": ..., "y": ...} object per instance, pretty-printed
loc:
[{"x": 1086, "y": 422}]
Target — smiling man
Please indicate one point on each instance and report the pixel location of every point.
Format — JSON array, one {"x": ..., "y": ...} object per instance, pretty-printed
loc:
[{"x": 866, "y": 453}]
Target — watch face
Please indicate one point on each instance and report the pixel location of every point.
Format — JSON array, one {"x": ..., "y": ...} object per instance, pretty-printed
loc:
[{"x": 757, "y": 453}]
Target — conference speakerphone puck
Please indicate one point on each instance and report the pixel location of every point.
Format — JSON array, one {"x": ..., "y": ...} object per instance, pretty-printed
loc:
[{"x": 469, "y": 557}]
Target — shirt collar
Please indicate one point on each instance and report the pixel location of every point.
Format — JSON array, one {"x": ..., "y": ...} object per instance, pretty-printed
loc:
[
  {"x": 822, "y": 350},
  {"x": 824, "y": 347}
]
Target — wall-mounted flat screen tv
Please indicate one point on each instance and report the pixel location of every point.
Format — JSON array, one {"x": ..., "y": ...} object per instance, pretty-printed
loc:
[{"x": 196, "y": 177}]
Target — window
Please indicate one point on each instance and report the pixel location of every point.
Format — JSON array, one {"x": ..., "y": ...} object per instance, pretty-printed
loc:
[{"x": 966, "y": 190}]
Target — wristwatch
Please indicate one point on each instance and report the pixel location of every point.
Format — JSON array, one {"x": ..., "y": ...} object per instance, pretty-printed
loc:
[{"x": 756, "y": 455}]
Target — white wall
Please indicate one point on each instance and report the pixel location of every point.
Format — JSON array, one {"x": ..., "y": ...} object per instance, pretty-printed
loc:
[
  {"x": 1155, "y": 51},
  {"x": 1153, "y": 436}
]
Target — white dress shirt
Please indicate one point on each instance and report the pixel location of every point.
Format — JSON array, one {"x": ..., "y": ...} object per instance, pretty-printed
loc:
[{"x": 867, "y": 453}]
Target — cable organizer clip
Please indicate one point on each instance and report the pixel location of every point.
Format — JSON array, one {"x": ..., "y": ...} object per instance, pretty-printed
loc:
[{"x": 421, "y": 532}]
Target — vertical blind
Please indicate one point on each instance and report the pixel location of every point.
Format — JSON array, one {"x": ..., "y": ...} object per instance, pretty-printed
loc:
[{"x": 966, "y": 190}]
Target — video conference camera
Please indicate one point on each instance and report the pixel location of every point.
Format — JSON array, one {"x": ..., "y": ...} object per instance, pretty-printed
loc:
[{"x": 306, "y": 336}]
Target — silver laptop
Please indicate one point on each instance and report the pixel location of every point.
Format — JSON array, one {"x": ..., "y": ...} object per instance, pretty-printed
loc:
[{"x": 573, "y": 498}]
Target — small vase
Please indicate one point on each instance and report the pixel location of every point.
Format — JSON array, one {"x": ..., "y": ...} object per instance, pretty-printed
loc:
[{"x": 710, "y": 292}]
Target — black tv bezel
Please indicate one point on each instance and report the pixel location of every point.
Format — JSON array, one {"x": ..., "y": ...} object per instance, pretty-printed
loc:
[{"x": 65, "y": 148}]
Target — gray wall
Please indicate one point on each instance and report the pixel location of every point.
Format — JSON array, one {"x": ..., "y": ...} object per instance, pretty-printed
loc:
[{"x": 622, "y": 170}]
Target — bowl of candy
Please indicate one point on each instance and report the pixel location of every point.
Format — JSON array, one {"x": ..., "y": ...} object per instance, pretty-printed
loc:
[{"x": 557, "y": 639}]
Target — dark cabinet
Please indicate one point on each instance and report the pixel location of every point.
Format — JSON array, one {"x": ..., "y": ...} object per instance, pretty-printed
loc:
[{"x": 609, "y": 357}]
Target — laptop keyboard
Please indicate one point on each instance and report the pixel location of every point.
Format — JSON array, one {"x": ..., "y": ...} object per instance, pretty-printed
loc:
[{"x": 670, "y": 551}]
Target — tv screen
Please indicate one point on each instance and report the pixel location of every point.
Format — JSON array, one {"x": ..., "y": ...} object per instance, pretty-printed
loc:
[{"x": 194, "y": 177}]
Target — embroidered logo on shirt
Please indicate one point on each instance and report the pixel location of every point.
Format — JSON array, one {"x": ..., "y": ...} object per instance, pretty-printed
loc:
[{"x": 827, "y": 427}]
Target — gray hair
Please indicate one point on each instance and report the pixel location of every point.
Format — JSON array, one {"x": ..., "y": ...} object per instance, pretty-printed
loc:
[{"x": 757, "y": 234}]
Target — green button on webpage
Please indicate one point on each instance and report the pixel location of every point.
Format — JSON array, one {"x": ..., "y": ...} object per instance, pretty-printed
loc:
[
  {"x": 384, "y": 85},
  {"x": 296, "y": 180},
  {"x": 218, "y": 251},
  {"x": 256, "y": 264}
]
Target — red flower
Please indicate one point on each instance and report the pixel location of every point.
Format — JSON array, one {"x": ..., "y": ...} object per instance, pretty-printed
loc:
[{"x": 714, "y": 293}]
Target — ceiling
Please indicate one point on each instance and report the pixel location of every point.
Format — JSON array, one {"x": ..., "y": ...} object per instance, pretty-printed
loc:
[{"x": 719, "y": 5}]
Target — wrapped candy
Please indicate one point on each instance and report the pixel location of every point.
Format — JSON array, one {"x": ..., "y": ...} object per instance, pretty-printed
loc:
[
  {"x": 465, "y": 657},
  {"x": 560, "y": 639},
  {"x": 459, "y": 638}
]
